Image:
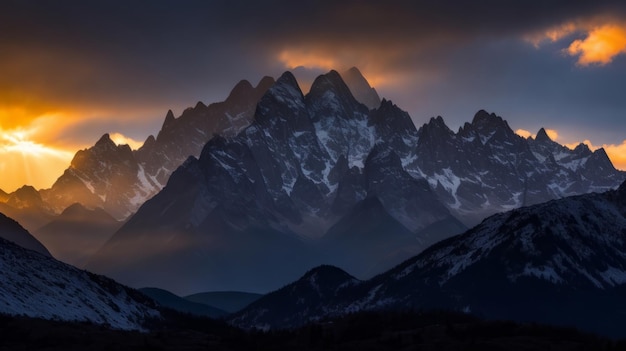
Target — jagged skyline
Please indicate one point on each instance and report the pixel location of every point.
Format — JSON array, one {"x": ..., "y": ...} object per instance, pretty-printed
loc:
[{"x": 73, "y": 71}]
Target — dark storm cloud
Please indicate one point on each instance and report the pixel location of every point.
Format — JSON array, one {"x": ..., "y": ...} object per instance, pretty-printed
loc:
[
  {"x": 432, "y": 57},
  {"x": 128, "y": 51}
]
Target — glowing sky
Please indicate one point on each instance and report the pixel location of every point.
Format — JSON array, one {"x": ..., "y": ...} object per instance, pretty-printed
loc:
[{"x": 73, "y": 70}]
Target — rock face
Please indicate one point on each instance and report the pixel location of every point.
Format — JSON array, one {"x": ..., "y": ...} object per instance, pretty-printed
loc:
[
  {"x": 486, "y": 168},
  {"x": 322, "y": 179},
  {"x": 119, "y": 180},
  {"x": 307, "y": 166},
  {"x": 541, "y": 263},
  {"x": 360, "y": 88},
  {"x": 36, "y": 285}
]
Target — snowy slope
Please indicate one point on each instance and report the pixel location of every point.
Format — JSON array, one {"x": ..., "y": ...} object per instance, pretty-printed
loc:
[
  {"x": 120, "y": 180},
  {"x": 39, "y": 286},
  {"x": 486, "y": 168},
  {"x": 562, "y": 262}
]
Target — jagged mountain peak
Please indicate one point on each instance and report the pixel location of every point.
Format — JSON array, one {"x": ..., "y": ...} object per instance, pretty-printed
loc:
[
  {"x": 243, "y": 86},
  {"x": 355, "y": 71},
  {"x": 438, "y": 122},
  {"x": 25, "y": 197},
  {"x": 392, "y": 118},
  {"x": 360, "y": 88},
  {"x": 26, "y": 191},
  {"x": 169, "y": 115},
  {"x": 150, "y": 140},
  {"x": 169, "y": 119},
  {"x": 200, "y": 106},
  {"x": 435, "y": 126},
  {"x": 285, "y": 91},
  {"x": 488, "y": 121},
  {"x": 287, "y": 79},
  {"x": 285, "y": 94},
  {"x": 599, "y": 160},
  {"x": 104, "y": 147},
  {"x": 582, "y": 148},
  {"x": 105, "y": 142},
  {"x": 542, "y": 136},
  {"x": 266, "y": 82},
  {"x": 241, "y": 89},
  {"x": 331, "y": 85}
]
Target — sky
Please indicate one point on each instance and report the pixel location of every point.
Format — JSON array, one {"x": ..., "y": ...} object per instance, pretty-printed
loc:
[{"x": 72, "y": 70}]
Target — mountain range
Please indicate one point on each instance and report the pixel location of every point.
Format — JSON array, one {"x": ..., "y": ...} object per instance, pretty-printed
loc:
[
  {"x": 249, "y": 193},
  {"x": 562, "y": 262},
  {"x": 321, "y": 178},
  {"x": 36, "y": 285}
]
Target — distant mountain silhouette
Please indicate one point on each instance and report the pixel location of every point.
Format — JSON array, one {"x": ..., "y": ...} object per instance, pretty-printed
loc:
[
  {"x": 321, "y": 179},
  {"x": 77, "y": 233},
  {"x": 562, "y": 262}
]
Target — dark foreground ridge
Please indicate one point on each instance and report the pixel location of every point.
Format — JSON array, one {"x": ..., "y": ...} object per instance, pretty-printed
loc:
[{"x": 363, "y": 331}]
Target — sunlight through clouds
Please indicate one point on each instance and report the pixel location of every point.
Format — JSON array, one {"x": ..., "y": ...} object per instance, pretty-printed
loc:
[
  {"x": 121, "y": 139},
  {"x": 30, "y": 153},
  {"x": 25, "y": 161}
]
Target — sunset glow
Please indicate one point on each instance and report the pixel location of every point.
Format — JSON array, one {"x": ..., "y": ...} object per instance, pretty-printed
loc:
[
  {"x": 600, "y": 46},
  {"x": 616, "y": 152},
  {"x": 292, "y": 59},
  {"x": 27, "y": 162},
  {"x": 552, "y": 134},
  {"x": 121, "y": 139},
  {"x": 324, "y": 60}
]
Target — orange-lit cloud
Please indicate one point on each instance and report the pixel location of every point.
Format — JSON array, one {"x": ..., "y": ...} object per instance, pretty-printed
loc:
[
  {"x": 602, "y": 40},
  {"x": 121, "y": 139},
  {"x": 292, "y": 59},
  {"x": 616, "y": 152},
  {"x": 377, "y": 67},
  {"x": 552, "y": 134},
  {"x": 600, "y": 46}
]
